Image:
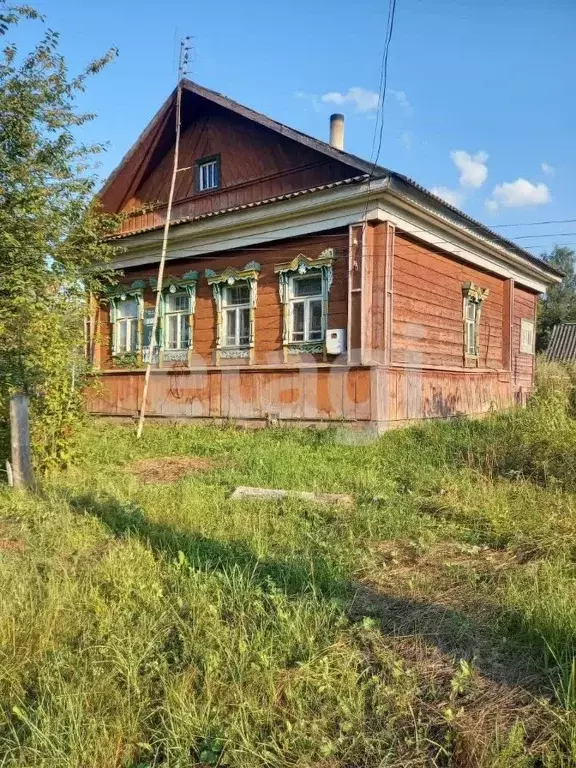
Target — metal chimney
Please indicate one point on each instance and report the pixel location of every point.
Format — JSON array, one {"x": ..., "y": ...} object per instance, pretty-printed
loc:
[{"x": 337, "y": 131}]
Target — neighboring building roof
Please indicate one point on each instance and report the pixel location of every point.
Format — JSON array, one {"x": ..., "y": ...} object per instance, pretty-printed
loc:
[
  {"x": 399, "y": 183},
  {"x": 562, "y": 344}
]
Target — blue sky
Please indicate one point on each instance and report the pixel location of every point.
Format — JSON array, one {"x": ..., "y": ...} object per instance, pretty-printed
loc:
[{"x": 480, "y": 104}]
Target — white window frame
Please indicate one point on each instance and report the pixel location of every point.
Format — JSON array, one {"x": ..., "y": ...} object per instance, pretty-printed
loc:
[
  {"x": 208, "y": 171},
  {"x": 471, "y": 327},
  {"x": 473, "y": 297},
  {"x": 130, "y": 322},
  {"x": 229, "y": 308},
  {"x": 527, "y": 344},
  {"x": 179, "y": 314},
  {"x": 307, "y": 301}
]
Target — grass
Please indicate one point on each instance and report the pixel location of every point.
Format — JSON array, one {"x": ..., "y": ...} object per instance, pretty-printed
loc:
[{"x": 148, "y": 624}]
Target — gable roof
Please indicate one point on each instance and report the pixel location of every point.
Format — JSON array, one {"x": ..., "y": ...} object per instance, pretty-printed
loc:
[
  {"x": 562, "y": 344},
  {"x": 133, "y": 165}
]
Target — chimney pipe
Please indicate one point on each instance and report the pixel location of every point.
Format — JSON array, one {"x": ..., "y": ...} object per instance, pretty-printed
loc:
[{"x": 337, "y": 131}]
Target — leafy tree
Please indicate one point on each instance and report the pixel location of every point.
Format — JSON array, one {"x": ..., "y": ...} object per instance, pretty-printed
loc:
[
  {"x": 50, "y": 233},
  {"x": 559, "y": 304}
]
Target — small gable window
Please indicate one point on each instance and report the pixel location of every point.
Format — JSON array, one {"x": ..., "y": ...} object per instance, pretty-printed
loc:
[{"x": 208, "y": 173}]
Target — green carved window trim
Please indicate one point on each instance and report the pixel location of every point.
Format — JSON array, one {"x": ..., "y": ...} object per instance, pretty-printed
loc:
[
  {"x": 185, "y": 284},
  {"x": 228, "y": 277},
  {"x": 116, "y": 295},
  {"x": 302, "y": 265},
  {"x": 473, "y": 299}
]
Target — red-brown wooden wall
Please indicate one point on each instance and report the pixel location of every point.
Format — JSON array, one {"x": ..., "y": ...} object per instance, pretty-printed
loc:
[
  {"x": 268, "y": 331},
  {"x": 256, "y": 164}
]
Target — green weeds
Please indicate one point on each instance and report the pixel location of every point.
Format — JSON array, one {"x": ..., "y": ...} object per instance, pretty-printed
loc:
[{"x": 163, "y": 625}]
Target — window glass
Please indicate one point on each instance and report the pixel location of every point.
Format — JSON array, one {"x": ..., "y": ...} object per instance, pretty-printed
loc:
[
  {"x": 244, "y": 329},
  {"x": 231, "y": 325},
  {"x": 298, "y": 321},
  {"x": 177, "y": 302},
  {"x": 127, "y": 308},
  {"x": 308, "y": 286},
  {"x": 315, "y": 319},
  {"x": 208, "y": 175},
  {"x": 239, "y": 293},
  {"x": 472, "y": 310}
]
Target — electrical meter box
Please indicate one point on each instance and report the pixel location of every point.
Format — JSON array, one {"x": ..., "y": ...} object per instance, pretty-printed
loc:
[{"x": 336, "y": 341}]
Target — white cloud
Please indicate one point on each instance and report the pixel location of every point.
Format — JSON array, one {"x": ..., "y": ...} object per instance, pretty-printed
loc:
[
  {"x": 402, "y": 100},
  {"x": 451, "y": 196},
  {"x": 406, "y": 138},
  {"x": 516, "y": 194},
  {"x": 362, "y": 99},
  {"x": 473, "y": 169},
  {"x": 548, "y": 169}
]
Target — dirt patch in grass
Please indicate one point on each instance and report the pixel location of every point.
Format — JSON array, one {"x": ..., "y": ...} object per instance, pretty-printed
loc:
[
  {"x": 168, "y": 469},
  {"x": 427, "y": 605},
  {"x": 10, "y": 541}
]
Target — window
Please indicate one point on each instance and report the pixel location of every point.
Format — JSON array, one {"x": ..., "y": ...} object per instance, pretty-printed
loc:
[
  {"x": 208, "y": 174},
  {"x": 236, "y": 315},
  {"x": 527, "y": 336},
  {"x": 304, "y": 285},
  {"x": 474, "y": 297},
  {"x": 471, "y": 325},
  {"x": 126, "y": 326},
  {"x": 306, "y": 316},
  {"x": 177, "y": 321}
]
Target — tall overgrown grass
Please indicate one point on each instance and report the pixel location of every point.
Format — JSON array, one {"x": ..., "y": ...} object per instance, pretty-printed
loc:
[{"x": 433, "y": 623}]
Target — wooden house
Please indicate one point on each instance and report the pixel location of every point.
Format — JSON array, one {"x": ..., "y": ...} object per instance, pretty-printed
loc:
[{"x": 303, "y": 284}]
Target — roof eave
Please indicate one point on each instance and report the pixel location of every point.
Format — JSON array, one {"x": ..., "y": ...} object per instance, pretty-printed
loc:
[{"x": 408, "y": 189}]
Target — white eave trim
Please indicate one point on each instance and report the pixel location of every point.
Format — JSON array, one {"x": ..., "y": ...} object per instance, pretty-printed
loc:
[{"x": 329, "y": 210}]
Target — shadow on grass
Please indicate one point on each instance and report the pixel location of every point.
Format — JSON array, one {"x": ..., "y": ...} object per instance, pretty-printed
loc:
[
  {"x": 487, "y": 638},
  {"x": 295, "y": 576}
]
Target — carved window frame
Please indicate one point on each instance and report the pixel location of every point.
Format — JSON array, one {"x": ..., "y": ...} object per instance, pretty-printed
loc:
[
  {"x": 134, "y": 291},
  {"x": 299, "y": 266},
  {"x": 185, "y": 284},
  {"x": 219, "y": 281},
  {"x": 473, "y": 297}
]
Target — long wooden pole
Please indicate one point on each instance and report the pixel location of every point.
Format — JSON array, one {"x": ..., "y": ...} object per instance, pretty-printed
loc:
[
  {"x": 22, "y": 476},
  {"x": 183, "y": 50}
]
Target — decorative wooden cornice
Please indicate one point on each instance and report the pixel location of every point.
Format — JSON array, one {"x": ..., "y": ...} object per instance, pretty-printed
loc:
[
  {"x": 302, "y": 263},
  {"x": 135, "y": 288},
  {"x": 231, "y": 274},
  {"x": 474, "y": 293},
  {"x": 188, "y": 280}
]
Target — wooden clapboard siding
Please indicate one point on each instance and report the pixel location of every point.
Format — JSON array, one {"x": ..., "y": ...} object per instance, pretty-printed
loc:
[
  {"x": 255, "y": 164},
  {"x": 268, "y": 315},
  {"x": 428, "y": 325},
  {"x": 300, "y": 394},
  {"x": 424, "y": 394},
  {"x": 522, "y": 364}
]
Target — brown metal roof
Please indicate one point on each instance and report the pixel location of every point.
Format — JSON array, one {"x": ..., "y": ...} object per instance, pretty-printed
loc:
[
  {"x": 562, "y": 344},
  {"x": 244, "y": 206},
  {"x": 370, "y": 170}
]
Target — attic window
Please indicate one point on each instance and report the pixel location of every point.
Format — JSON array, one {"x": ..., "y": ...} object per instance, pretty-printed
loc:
[{"x": 208, "y": 173}]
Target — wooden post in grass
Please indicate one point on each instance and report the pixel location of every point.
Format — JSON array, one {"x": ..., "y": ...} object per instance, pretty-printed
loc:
[{"x": 20, "y": 442}]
